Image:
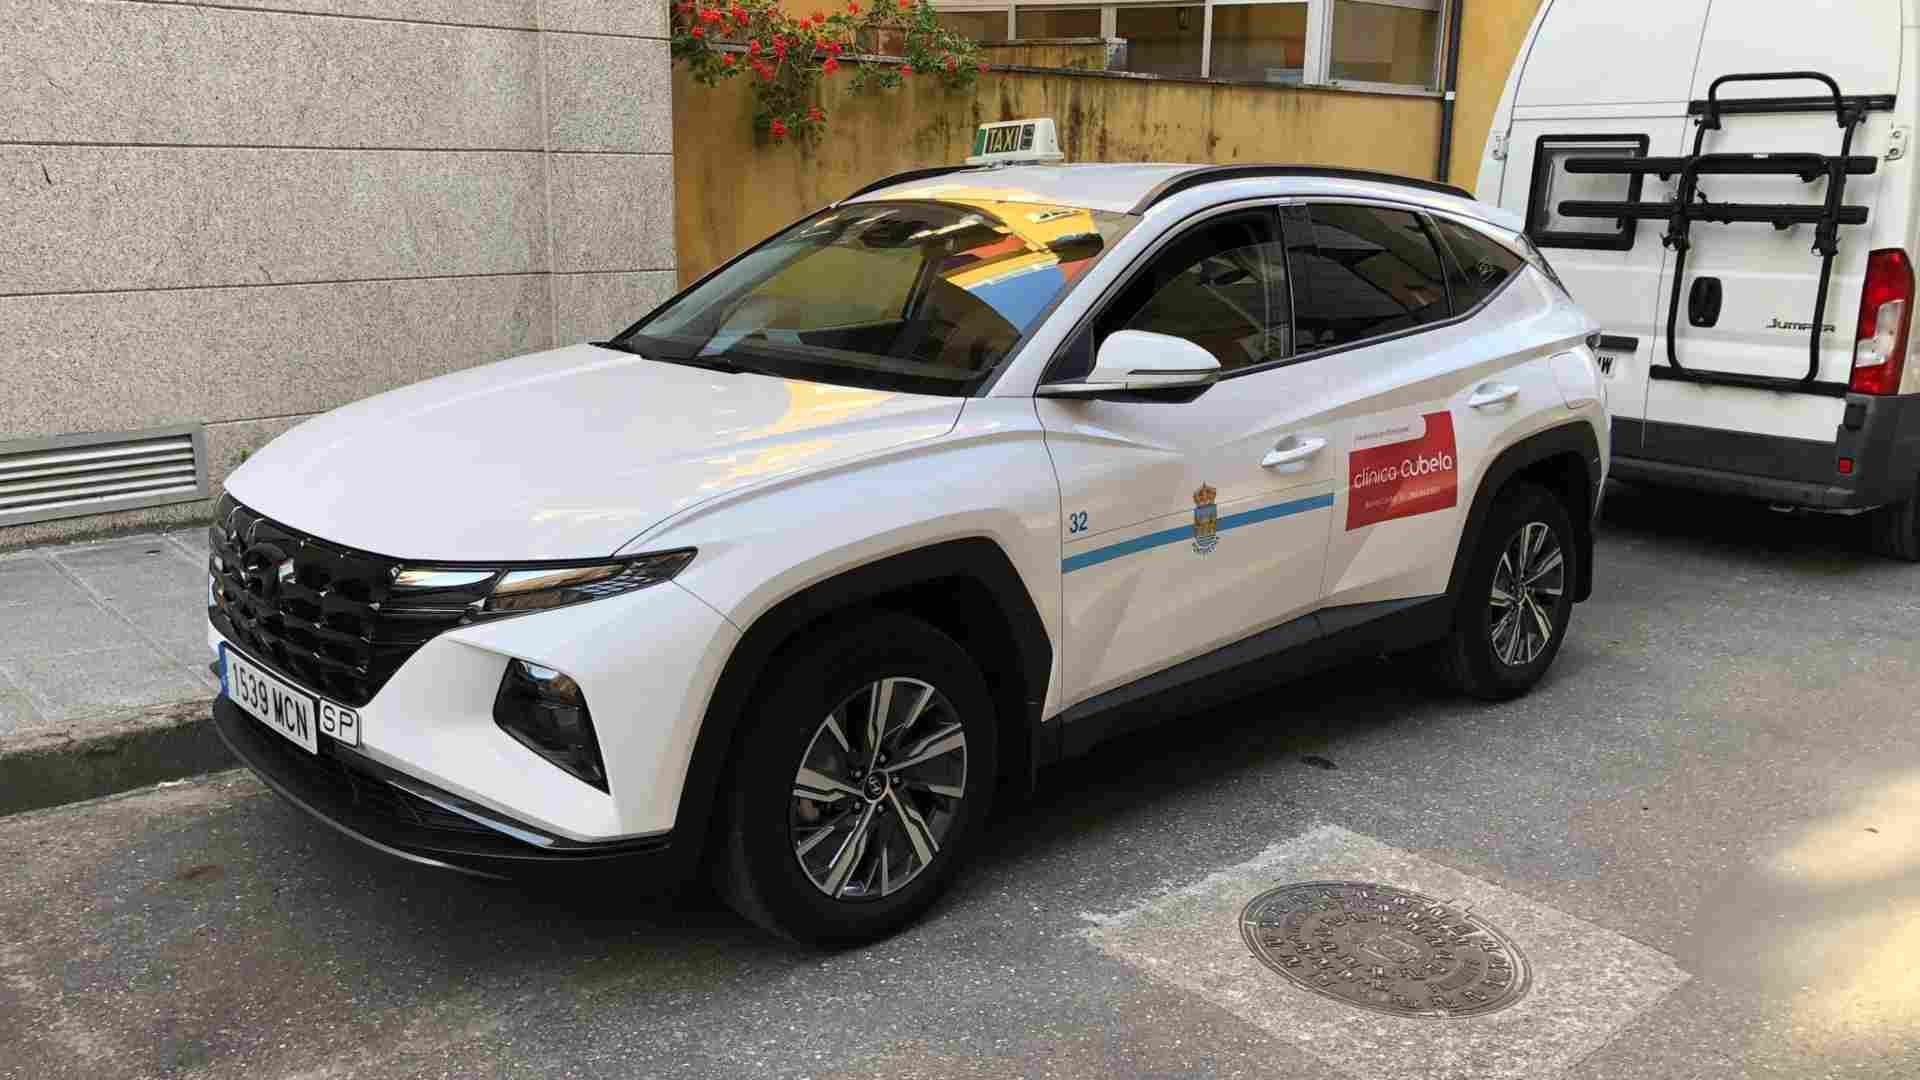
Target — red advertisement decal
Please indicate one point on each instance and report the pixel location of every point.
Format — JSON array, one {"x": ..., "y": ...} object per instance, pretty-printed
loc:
[{"x": 1403, "y": 479}]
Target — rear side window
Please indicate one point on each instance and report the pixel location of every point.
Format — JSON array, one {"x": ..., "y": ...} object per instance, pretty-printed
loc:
[
  {"x": 1361, "y": 272},
  {"x": 1480, "y": 265}
]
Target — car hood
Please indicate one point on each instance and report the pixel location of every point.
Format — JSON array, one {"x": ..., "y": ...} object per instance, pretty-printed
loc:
[{"x": 562, "y": 454}]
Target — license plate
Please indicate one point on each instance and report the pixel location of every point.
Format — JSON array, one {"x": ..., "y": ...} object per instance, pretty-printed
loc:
[{"x": 294, "y": 713}]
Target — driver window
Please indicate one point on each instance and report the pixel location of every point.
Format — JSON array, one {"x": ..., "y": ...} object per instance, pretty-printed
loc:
[{"x": 1222, "y": 286}]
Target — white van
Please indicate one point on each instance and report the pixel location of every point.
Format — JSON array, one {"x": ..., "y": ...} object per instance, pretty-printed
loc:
[{"x": 1726, "y": 186}]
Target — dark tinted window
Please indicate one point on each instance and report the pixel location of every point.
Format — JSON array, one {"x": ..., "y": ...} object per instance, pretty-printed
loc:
[
  {"x": 1360, "y": 272},
  {"x": 1222, "y": 286},
  {"x": 1480, "y": 265}
]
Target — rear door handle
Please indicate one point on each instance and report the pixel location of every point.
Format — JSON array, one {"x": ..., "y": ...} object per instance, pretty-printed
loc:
[
  {"x": 1301, "y": 450},
  {"x": 1492, "y": 394}
]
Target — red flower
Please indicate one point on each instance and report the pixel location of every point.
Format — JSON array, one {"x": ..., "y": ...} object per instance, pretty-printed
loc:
[
  {"x": 833, "y": 48},
  {"x": 906, "y": 69},
  {"x": 728, "y": 59},
  {"x": 814, "y": 114},
  {"x": 983, "y": 69},
  {"x": 830, "y": 65},
  {"x": 710, "y": 15},
  {"x": 779, "y": 130},
  {"x": 953, "y": 62},
  {"x": 853, "y": 8},
  {"x": 740, "y": 16},
  {"x": 754, "y": 48},
  {"x": 697, "y": 32}
]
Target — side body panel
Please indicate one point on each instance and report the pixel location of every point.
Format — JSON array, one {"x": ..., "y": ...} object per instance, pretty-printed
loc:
[
  {"x": 1190, "y": 542},
  {"x": 1403, "y": 405}
]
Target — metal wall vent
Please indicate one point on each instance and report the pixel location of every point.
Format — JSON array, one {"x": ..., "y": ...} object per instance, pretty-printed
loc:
[{"x": 75, "y": 475}]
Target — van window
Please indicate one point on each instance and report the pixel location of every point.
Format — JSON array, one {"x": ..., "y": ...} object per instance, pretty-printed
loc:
[
  {"x": 1479, "y": 266},
  {"x": 1360, "y": 272},
  {"x": 1553, "y": 185}
]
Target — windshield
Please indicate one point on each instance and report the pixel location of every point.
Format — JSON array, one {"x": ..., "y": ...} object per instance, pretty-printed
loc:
[{"x": 923, "y": 297}]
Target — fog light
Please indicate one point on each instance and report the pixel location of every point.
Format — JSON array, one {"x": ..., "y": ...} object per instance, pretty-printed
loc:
[{"x": 545, "y": 710}]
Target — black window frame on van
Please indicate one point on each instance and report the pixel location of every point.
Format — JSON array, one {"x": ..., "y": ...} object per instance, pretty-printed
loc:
[{"x": 1626, "y": 230}]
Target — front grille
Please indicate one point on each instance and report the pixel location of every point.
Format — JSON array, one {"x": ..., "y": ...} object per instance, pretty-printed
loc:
[{"x": 324, "y": 615}]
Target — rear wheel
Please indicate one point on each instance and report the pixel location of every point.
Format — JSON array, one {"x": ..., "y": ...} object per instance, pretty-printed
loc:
[
  {"x": 863, "y": 773},
  {"x": 1517, "y": 599},
  {"x": 1895, "y": 530}
]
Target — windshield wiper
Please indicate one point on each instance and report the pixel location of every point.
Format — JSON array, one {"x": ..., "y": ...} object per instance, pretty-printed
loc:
[{"x": 655, "y": 349}]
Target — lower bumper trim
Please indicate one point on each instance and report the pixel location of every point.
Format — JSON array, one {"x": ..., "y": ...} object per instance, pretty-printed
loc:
[{"x": 361, "y": 807}]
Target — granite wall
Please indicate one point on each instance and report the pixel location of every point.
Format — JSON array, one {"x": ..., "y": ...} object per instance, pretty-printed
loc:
[{"x": 245, "y": 214}]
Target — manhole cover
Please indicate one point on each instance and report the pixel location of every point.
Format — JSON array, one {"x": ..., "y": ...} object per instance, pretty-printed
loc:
[{"x": 1385, "y": 949}]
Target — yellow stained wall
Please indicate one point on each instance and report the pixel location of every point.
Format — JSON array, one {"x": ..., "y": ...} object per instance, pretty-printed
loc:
[
  {"x": 1490, "y": 40},
  {"x": 733, "y": 189}
]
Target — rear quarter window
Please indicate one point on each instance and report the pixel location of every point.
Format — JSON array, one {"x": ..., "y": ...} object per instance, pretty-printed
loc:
[{"x": 1478, "y": 265}]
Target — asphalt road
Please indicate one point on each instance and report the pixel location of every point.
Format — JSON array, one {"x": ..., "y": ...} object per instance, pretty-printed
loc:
[{"x": 1705, "y": 827}]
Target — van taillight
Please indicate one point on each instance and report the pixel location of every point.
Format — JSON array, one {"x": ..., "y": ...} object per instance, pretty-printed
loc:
[{"x": 1886, "y": 311}]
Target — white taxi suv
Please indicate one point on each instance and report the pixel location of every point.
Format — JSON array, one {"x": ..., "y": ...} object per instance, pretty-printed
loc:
[{"x": 962, "y": 475}]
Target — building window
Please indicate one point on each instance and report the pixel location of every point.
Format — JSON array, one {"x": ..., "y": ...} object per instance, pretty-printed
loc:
[
  {"x": 1037, "y": 22},
  {"x": 1162, "y": 40},
  {"x": 1386, "y": 41},
  {"x": 1260, "y": 42},
  {"x": 1372, "y": 44},
  {"x": 977, "y": 25}
]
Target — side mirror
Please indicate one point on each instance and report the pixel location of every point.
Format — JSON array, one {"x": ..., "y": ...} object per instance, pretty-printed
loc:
[{"x": 1131, "y": 361}]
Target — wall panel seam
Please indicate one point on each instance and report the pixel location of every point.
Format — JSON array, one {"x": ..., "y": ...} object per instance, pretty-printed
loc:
[
  {"x": 315, "y": 282},
  {"x": 248, "y": 9},
  {"x": 61, "y": 144}
]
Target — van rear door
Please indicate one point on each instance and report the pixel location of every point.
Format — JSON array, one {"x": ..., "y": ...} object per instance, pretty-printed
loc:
[
  {"x": 1747, "y": 304},
  {"x": 1575, "y": 98}
]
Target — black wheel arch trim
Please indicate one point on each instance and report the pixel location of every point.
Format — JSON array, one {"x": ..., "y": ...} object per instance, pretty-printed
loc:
[
  {"x": 1575, "y": 438},
  {"x": 977, "y": 558}
]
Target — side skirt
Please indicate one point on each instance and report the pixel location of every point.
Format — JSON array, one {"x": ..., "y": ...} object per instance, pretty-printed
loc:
[{"x": 1293, "y": 649}]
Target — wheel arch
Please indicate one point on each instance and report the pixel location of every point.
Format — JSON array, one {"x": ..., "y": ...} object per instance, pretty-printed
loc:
[
  {"x": 968, "y": 588},
  {"x": 1565, "y": 460}
]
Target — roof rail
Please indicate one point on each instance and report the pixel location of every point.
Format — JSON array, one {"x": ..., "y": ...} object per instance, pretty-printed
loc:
[
  {"x": 1211, "y": 174},
  {"x": 904, "y": 177}
]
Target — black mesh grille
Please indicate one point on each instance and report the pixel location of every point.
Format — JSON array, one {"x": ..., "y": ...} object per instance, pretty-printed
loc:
[{"x": 324, "y": 615}]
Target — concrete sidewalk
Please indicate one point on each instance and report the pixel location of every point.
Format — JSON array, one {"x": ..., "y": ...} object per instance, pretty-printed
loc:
[{"x": 103, "y": 667}]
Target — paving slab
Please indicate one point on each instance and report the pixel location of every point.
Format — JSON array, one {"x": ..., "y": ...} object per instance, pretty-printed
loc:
[
  {"x": 1587, "y": 982},
  {"x": 55, "y": 628},
  {"x": 76, "y": 686},
  {"x": 31, "y": 579}
]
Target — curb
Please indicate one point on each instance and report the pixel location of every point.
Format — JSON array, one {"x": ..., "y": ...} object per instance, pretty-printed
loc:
[{"x": 161, "y": 742}]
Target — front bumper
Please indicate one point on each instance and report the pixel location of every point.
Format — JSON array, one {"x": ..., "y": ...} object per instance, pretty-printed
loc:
[{"x": 414, "y": 820}]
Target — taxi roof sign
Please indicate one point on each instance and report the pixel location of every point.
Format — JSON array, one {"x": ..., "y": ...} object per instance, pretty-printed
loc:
[{"x": 1011, "y": 141}]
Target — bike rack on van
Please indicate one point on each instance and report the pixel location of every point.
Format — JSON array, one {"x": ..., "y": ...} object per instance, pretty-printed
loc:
[{"x": 1689, "y": 205}]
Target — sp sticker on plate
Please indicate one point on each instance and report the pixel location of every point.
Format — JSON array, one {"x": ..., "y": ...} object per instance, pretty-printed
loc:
[{"x": 1415, "y": 473}]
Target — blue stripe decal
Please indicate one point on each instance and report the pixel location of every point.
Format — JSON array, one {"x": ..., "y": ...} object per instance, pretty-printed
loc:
[{"x": 1185, "y": 532}]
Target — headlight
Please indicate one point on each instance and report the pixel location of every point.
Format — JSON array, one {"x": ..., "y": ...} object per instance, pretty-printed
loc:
[{"x": 484, "y": 593}]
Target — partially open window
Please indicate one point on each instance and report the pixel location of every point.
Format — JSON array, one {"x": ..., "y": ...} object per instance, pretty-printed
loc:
[{"x": 1553, "y": 185}]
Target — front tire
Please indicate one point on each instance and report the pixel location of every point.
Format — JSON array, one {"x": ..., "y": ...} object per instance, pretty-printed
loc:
[
  {"x": 862, "y": 775},
  {"x": 1517, "y": 599}
]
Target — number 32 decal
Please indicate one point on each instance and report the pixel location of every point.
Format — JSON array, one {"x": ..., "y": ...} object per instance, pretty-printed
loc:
[{"x": 1077, "y": 522}]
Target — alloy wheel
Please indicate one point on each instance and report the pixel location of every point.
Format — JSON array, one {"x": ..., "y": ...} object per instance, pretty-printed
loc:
[
  {"x": 878, "y": 789},
  {"x": 1527, "y": 586}
]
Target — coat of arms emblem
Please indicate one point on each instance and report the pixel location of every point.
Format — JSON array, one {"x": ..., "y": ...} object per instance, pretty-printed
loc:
[{"x": 1206, "y": 520}]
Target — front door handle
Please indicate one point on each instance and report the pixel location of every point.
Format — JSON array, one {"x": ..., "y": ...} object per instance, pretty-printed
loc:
[
  {"x": 1492, "y": 394},
  {"x": 1299, "y": 451}
]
